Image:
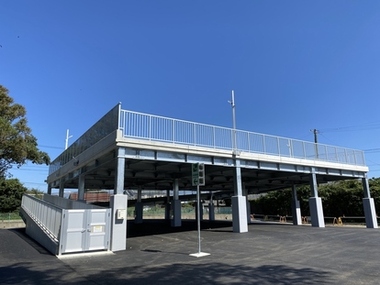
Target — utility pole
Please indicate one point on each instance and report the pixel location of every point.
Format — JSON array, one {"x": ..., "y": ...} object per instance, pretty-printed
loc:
[
  {"x": 67, "y": 139},
  {"x": 315, "y": 132}
]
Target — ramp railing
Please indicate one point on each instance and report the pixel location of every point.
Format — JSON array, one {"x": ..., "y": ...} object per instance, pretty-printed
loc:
[
  {"x": 45, "y": 214},
  {"x": 64, "y": 226}
]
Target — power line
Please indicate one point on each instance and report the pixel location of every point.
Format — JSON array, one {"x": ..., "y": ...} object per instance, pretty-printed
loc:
[
  {"x": 49, "y": 146},
  {"x": 362, "y": 127},
  {"x": 372, "y": 150},
  {"x": 26, "y": 169},
  {"x": 37, "y": 183}
]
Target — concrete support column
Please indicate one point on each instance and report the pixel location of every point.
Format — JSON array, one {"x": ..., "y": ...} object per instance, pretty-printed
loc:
[
  {"x": 176, "y": 205},
  {"x": 61, "y": 188},
  {"x": 245, "y": 193},
  {"x": 119, "y": 172},
  {"x": 296, "y": 209},
  {"x": 49, "y": 189},
  {"x": 211, "y": 208},
  {"x": 81, "y": 187},
  {"x": 239, "y": 203},
  {"x": 119, "y": 202},
  {"x": 315, "y": 203},
  {"x": 369, "y": 206},
  {"x": 139, "y": 208},
  {"x": 167, "y": 205}
]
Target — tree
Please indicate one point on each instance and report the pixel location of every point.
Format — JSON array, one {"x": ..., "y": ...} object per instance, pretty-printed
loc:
[
  {"x": 11, "y": 191},
  {"x": 342, "y": 198},
  {"x": 17, "y": 144}
]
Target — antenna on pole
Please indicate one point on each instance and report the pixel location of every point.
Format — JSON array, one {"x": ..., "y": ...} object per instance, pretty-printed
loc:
[{"x": 67, "y": 139}]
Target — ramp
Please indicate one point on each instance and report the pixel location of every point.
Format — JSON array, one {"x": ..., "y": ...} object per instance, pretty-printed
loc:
[{"x": 66, "y": 226}]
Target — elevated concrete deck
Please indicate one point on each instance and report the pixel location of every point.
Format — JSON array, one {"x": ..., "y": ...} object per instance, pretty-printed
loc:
[{"x": 129, "y": 150}]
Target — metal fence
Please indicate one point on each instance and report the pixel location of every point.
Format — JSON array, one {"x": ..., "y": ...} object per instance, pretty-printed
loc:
[
  {"x": 158, "y": 128},
  {"x": 163, "y": 129}
]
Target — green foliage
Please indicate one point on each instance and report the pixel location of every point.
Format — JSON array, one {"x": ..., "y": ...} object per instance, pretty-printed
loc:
[
  {"x": 10, "y": 216},
  {"x": 17, "y": 144},
  {"x": 343, "y": 198},
  {"x": 338, "y": 199},
  {"x": 277, "y": 202},
  {"x": 35, "y": 192},
  {"x": 11, "y": 191}
]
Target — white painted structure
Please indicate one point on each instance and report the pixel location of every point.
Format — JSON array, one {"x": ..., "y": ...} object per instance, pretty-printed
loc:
[{"x": 130, "y": 150}]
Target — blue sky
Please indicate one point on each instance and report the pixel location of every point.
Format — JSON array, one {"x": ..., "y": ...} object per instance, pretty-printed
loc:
[{"x": 294, "y": 65}]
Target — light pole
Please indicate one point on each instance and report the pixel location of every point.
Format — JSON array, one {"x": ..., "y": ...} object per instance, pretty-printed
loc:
[{"x": 234, "y": 142}]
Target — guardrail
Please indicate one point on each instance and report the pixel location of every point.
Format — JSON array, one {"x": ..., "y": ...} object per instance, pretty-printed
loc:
[{"x": 158, "y": 128}]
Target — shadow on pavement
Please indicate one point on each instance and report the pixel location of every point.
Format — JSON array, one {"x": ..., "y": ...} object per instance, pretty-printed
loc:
[
  {"x": 156, "y": 227},
  {"x": 214, "y": 273}
]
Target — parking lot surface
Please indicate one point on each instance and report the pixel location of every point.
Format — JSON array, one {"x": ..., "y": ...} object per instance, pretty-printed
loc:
[{"x": 269, "y": 253}]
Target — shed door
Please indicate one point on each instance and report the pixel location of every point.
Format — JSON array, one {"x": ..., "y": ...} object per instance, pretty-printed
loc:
[{"x": 85, "y": 230}]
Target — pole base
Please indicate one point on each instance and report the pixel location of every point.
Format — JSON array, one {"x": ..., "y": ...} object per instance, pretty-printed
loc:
[{"x": 199, "y": 254}]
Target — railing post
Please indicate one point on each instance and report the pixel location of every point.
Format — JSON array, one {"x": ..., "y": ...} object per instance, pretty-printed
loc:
[
  {"x": 213, "y": 136},
  {"x": 290, "y": 148},
  {"x": 345, "y": 156},
  {"x": 150, "y": 128},
  {"x": 195, "y": 134},
  {"x": 264, "y": 145},
  {"x": 249, "y": 142},
  {"x": 304, "y": 150},
  {"x": 173, "y": 140}
]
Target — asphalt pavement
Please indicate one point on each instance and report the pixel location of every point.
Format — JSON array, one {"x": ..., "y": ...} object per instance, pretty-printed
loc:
[{"x": 269, "y": 253}]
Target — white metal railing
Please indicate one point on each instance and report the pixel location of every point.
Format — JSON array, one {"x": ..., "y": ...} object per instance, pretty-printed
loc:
[
  {"x": 158, "y": 128},
  {"x": 45, "y": 214}
]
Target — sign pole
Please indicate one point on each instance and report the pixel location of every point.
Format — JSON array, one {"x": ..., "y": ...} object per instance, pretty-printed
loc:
[
  {"x": 198, "y": 179},
  {"x": 199, "y": 219}
]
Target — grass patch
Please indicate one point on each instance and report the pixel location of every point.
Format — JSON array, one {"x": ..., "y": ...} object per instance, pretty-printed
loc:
[{"x": 10, "y": 216}]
